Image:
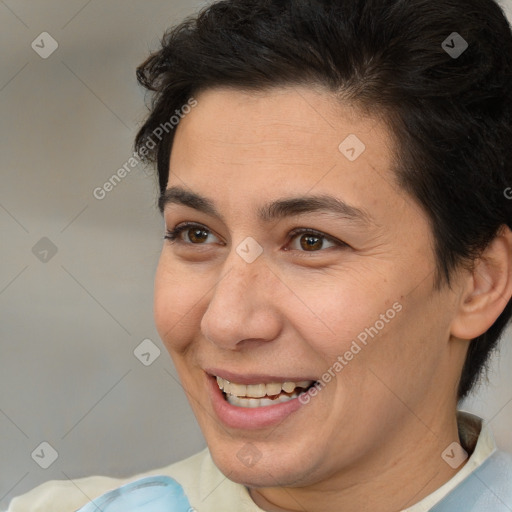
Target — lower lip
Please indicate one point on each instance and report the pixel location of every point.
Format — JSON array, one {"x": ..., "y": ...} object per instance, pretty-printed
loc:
[{"x": 248, "y": 418}]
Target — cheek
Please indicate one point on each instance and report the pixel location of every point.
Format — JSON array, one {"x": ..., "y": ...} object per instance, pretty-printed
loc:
[
  {"x": 401, "y": 354},
  {"x": 367, "y": 341},
  {"x": 334, "y": 311},
  {"x": 177, "y": 304}
]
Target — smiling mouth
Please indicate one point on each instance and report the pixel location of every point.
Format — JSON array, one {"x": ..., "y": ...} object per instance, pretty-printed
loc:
[{"x": 262, "y": 395}]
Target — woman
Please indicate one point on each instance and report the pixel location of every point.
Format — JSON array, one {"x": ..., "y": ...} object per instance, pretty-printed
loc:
[{"x": 337, "y": 263}]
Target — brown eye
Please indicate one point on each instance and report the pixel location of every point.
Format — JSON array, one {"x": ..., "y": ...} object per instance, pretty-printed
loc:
[
  {"x": 197, "y": 235},
  {"x": 189, "y": 234},
  {"x": 311, "y": 241}
]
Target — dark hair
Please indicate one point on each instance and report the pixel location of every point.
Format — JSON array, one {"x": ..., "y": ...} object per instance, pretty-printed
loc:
[{"x": 450, "y": 115}]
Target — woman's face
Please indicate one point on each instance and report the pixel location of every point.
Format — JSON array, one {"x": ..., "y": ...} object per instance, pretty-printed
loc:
[{"x": 305, "y": 262}]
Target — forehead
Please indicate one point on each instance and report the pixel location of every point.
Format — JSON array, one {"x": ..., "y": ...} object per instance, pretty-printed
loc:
[
  {"x": 286, "y": 117},
  {"x": 239, "y": 145}
]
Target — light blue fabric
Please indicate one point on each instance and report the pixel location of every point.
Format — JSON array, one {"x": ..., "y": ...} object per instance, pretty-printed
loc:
[
  {"x": 487, "y": 489},
  {"x": 150, "y": 494}
]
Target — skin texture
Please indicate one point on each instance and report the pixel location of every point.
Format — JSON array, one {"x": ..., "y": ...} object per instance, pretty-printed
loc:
[{"x": 372, "y": 438}]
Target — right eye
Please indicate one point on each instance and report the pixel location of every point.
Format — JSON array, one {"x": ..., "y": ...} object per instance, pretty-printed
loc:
[{"x": 195, "y": 233}]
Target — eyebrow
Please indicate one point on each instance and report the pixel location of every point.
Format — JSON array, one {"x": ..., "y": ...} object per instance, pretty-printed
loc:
[{"x": 279, "y": 209}]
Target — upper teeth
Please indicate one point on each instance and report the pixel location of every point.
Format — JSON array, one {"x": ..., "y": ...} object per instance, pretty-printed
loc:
[{"x": 260, "y": 390}]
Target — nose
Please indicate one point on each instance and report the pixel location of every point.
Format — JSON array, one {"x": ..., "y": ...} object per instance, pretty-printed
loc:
[{"x": 243, "y": 305}]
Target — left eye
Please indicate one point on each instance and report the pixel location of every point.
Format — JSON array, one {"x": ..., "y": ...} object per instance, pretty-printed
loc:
[{"x": 312, "y": 241}]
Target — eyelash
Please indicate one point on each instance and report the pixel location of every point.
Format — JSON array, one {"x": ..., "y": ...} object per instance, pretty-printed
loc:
[{"x": 173, "y": 234}]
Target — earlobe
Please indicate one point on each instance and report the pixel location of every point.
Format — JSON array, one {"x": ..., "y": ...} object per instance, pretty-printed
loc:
[{"x": 488, "y": 288}]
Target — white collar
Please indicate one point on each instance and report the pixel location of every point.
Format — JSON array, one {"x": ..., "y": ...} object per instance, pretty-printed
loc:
[{"x": 472, "y": 431}]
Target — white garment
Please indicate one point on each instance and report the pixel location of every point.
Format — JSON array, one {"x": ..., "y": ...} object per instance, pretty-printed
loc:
[
  {"x": 208, "y": 490},
  {"x": 469, "y": 426}
]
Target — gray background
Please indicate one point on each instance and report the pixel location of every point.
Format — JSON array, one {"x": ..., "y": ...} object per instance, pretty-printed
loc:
[{"x": 69, "y": 326}]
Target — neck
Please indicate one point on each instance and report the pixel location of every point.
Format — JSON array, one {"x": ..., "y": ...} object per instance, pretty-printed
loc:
[{"x": 398, "y": 474}]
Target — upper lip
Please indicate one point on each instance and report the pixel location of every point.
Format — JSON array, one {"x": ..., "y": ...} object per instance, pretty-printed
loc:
[{"x": 254, "y": 378}]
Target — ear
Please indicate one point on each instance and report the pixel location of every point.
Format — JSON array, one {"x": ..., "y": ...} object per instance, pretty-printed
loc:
[{"x": 487, "y": 289}]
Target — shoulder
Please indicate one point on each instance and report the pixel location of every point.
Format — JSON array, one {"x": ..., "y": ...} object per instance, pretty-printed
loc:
[
  {"x": 489, "y": 487},
  {"x": 70, "y": 495},
  {"x": 496, "y": 475}
]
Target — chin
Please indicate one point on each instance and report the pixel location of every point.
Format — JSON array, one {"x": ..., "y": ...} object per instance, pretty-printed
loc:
[
  {"x": 271, "y": 470},
  {"x": 265, "y": 475}
]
